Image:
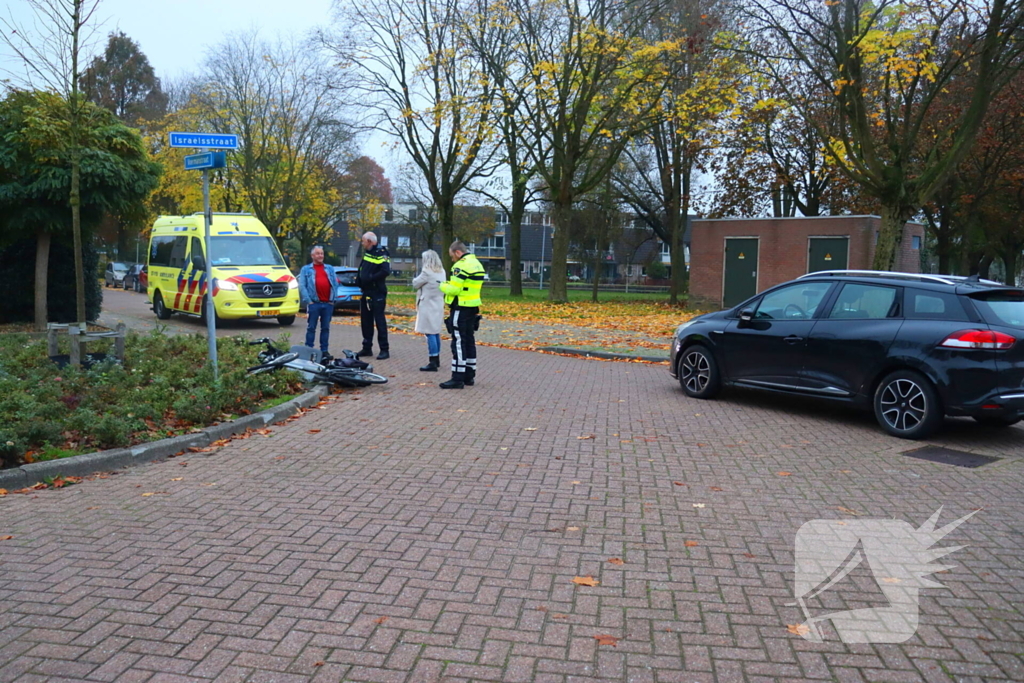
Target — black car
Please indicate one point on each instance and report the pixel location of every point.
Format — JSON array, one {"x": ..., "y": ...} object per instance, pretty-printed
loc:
[
  {"x": 913, "y": 348},
  {"x": 135, "y": 278}
]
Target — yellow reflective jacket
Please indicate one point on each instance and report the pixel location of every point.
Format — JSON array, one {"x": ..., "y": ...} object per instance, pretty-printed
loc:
[{"x": 466, "y": 281}]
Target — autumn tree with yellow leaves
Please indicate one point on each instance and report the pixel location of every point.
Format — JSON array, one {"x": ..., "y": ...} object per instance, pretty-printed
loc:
[{"x": 884, "y": 66}]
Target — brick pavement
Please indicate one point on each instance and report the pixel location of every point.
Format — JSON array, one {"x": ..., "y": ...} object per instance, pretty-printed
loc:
[{"x": 422, "y": 535}]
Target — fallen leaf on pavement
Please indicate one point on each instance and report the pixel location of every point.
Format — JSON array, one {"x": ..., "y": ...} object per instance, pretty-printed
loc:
[
  {"x": 318, "y": 663},
  {"x": 691, "y": 544},
  {"x": 798, "y": 629},
  {"x": 679, "y": 483},
  {"x": 849, "y": 511},
  {"x": 193, "y": 449},
  {"x": 784, "y": 474},
  {"x": 616, "y": 561},
  {"x": 530, "y": 429},
  {"x": 6, "y": 538},
  {"x": 891, "y": 579},
  {"x": 3, "y": 492},
  {"x": 749, "y": 555},
  {"x": 585, "y": 581},
  {"x": 380, "y": 620},
  {"x": 263, "y": 432},
  {"x": 607, "y": 640},
  {"x": 178, "y": 479},
  {"x": 152, "y": 493},
  {"x": 698, "y": 505},
  {"x": 559, "y": 616},
  {"x": 716, "y": 488},
  {"x": 313, "y": 431},
  {"x": 586, "y": 436},
  {"x": 572, "y": 528}
]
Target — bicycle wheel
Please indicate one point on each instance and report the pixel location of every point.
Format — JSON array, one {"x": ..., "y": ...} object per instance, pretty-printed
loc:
[
  {"x": 348, "y": 377},
  {"x": 260, "y": 369}
]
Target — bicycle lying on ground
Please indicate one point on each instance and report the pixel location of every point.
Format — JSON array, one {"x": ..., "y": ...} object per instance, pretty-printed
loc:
[{"x": 346, "y": 372}]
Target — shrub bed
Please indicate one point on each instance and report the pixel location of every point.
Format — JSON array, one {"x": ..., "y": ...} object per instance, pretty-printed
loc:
[{"x": 165, "y": 388}]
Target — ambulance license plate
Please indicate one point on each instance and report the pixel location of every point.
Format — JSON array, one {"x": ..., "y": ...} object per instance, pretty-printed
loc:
[{"x": 268, "y": 314}]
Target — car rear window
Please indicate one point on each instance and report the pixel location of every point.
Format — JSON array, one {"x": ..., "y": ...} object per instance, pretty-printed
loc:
[
  {"x": 1001, "y": 307},
  {"x": 928, "y": 305}
]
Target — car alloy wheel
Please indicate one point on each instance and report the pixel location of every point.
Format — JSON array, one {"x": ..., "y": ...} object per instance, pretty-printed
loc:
[
  {"x": 903, "y": 404},
  {"x": 907, "y": 406},
  {"x": 698, "y": 373}
]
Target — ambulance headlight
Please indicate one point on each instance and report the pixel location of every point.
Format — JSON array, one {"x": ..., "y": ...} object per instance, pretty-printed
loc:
[
  {"x": 293, "y": 284},
  {"x": 227, "y": 286}
]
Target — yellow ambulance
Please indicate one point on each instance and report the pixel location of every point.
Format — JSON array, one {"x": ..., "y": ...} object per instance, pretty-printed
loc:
[{"x": 250, "y": 278}]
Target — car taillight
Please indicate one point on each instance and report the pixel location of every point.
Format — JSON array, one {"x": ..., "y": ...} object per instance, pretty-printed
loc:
[{"x": 978, "y": 339}]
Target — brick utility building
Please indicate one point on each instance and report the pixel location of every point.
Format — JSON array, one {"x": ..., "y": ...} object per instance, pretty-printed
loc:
[{"x": 732, "y": 259}]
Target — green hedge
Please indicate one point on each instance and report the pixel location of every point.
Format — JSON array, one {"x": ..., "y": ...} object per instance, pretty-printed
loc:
[{"x": 164, "y": 388}]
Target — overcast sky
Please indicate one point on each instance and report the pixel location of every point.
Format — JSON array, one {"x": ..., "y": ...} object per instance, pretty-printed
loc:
[{"x": 172, "y": 33}]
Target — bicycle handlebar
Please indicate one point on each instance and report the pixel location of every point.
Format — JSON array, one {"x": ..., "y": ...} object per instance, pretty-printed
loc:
[{"x": 257, "y": 342}]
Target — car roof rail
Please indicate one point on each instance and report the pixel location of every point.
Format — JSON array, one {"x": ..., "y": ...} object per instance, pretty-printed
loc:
[{"x": 943, "y": 279}]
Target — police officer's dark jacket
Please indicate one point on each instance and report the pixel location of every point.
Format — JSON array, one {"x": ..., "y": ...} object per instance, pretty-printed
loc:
[{"x": 374, "y": 269}]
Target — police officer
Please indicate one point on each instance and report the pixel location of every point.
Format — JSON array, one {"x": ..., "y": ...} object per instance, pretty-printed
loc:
[
  {"x": 462, "y": 293},
  {"x": 373, "y": 270}
]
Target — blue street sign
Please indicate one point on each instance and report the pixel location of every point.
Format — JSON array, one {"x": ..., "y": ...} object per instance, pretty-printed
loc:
[
  {"x": 212, "y": 140},
  {"x": 197, "y": 162}
]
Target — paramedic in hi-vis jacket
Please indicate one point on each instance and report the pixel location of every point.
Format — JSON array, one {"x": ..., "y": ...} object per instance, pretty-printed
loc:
[{"x": 462, "y": 294}]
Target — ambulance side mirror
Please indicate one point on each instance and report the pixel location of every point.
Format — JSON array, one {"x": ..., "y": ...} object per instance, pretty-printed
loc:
[{"x": 198, "y": 262}]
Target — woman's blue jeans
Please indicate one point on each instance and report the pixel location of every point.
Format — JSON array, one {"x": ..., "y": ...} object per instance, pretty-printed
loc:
[{"x": 433, "y": 344}]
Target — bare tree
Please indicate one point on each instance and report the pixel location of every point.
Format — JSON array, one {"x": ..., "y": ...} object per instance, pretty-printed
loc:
[
  {"x": 51, "y": 56},
  {"x": 284, "y": 100},
  {"x": 424, "y": 86}
]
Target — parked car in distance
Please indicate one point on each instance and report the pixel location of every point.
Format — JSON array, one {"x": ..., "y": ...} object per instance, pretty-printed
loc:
[
  {"x": 574, "y": 278},
  {"x": 348, "y": 295},
  {"x": 113, "y": 276},
  {"x": 136, "y": 278},
  {"x": 912, "y": 348}
]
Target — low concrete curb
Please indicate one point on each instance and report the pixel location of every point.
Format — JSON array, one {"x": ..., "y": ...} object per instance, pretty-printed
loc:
[
  {"x": 603, "y": 354},
  {"x": 119, "y": 458}
]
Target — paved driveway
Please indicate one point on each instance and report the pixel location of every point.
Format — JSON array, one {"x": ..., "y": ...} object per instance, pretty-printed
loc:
[{"x": 402, "y": 533}]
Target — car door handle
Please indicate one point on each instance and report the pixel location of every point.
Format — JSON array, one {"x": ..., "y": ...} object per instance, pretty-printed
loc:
[{"x": 792, "y": 339}]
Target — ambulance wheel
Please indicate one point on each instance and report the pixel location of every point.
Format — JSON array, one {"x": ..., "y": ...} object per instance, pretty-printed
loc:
[
  {"x": 285, "y": 320},
  {"x": 202, "y": 313},
  {"x": 162, "y": 312}
]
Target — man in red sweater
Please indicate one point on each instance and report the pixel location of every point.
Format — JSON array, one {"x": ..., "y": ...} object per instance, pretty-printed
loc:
[{"x": 317, "y": 286}]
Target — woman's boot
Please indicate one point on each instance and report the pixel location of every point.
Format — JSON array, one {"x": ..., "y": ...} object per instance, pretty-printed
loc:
[{"x": 433, "y": 365}]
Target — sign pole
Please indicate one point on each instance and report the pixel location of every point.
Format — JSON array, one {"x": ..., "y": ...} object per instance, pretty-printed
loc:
[
  {"x": 213, "y": 157},
  {"x": 211, "y": 314}
]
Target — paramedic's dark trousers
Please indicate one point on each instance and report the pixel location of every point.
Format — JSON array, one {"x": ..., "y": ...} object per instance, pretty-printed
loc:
[
  {"x": 462, "y": 327},
  {"x": 371, "y": 313}
]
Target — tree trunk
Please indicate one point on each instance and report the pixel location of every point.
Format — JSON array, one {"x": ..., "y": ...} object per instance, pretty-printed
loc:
[
  {"x": 890, "y": 235},
  {"x": 513, "y": 241},
  {"x": 42, "y": 267},
  {"x": 446, "y": 208},
  {"x": 557, "y": 291},
  {"x": 595, "y": 285},
  {"x": 677, "y": 249},
  {"x": 76, "y": 229},
  {"x": 1010, "y": 257}
]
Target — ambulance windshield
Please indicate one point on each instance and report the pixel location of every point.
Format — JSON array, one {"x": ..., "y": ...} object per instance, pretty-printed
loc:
[{"x": 245, "y": 250}]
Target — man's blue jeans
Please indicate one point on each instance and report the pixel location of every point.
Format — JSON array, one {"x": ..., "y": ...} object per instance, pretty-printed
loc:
[
  {"x": 433, "y": 344},
  {"x": 319, "y": 312}
]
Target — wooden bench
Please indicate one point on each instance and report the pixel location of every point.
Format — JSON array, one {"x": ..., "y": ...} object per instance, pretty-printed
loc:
[{"x": 79, "y": 336}]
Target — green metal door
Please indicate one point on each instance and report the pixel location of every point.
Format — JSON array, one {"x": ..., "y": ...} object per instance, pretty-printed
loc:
[
  {"x": 740, "y": 270},
  {"x": 827, "y": 253}
]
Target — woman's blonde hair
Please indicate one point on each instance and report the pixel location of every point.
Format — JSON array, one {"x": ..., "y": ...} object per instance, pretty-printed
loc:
[{"x": 431, "y": 261}]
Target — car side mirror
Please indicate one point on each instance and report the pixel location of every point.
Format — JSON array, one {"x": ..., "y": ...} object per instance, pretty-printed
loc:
[
  {"x": 198, "y": 262},
  {"x": 746, "y": 315}
]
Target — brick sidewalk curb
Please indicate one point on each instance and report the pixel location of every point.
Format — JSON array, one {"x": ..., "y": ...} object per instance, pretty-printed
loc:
[
  {"x": 119, "y": 458},
  {"x": 602, "y": 354}
]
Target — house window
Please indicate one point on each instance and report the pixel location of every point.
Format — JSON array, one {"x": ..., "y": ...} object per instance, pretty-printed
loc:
[
  {"x": 665, "y": 251},
  {"x": 389, "y": 215},
  {"x": 403, "y": 242},
  {"x": 383, "y": 240},
  {"x": 413, "y": 214},
  {"x": 502, "y": 217},
  {"x": 916, "y": 242}
]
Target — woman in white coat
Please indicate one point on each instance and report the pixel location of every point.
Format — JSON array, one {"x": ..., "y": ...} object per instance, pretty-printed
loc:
[{"x": 430, "y": 306}]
